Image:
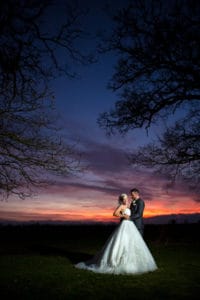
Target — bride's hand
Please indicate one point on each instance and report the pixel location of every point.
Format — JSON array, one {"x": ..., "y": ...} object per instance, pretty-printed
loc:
[{"x": 122, "y": 212}]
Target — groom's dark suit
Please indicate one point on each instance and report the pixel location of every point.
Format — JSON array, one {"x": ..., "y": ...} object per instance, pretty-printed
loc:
[{"x": 137, "y": 208}]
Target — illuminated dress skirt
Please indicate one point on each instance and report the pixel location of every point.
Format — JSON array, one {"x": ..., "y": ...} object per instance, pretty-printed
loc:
[{"x": 125, "y": 252}]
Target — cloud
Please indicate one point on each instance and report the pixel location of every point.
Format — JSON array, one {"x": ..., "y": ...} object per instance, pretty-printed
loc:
[
  {"x": 107, "y": 158},
  {"x": 110, "y": 184}
]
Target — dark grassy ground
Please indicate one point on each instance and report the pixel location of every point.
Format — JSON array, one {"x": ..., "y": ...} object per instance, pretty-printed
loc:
[{"x": 36, "y": 262}]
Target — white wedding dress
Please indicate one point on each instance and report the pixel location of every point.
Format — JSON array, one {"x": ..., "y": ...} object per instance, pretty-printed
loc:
[{"x": 125, "y": 252}]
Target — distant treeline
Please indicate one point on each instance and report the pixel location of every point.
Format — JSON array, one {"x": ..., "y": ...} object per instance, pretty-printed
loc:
[{"x": 165, "y": 233}]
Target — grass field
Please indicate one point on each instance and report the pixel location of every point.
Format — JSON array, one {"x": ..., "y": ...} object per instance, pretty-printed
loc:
[{"x": 37, "y": 262}]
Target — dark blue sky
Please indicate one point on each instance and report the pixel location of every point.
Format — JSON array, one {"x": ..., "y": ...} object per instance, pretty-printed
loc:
[{"x": 81, "y": 100}]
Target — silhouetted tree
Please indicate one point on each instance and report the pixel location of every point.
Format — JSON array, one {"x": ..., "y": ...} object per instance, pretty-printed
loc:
[
  {"x": 157, "y": 76},
  {"x": 37, "y": 43}
]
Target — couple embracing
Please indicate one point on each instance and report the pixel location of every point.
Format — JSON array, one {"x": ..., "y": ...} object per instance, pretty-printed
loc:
[
  {"x": 125, "y": 251},
  {"x": 134, "y": 212}
]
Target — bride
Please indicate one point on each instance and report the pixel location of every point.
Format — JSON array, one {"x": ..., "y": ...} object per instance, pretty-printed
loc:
[{"x": 125, "y": 252}]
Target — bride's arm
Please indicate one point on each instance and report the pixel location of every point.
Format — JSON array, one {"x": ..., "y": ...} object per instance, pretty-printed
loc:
[{"x": 117, "y": 212}]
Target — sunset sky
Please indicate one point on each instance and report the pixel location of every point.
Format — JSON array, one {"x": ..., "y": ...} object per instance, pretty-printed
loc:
[{"x": 93, "y": 194}]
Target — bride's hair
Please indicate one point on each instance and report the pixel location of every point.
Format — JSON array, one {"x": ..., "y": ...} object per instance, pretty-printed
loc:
[{"x": 121, "y": 198}]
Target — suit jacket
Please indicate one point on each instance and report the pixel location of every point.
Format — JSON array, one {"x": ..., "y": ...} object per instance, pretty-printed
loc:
[{"x": 137, "y": 210}]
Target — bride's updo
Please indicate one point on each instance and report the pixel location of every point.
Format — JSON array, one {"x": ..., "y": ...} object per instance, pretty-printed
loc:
[{"x": 121, "y": 198}]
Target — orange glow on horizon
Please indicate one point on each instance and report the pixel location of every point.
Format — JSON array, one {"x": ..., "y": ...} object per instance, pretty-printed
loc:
[
  {"x": 83, "y": 215},
  {"x": 84, "y": 210}
]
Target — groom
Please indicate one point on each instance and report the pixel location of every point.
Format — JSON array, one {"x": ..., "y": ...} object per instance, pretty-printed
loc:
[{"x": 137, "y": 208}]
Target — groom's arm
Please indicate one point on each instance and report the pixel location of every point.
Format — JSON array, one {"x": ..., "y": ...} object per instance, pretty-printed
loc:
[{"x": 139, "y": 213}]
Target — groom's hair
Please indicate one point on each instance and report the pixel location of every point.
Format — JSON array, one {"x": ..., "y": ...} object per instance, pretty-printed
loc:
[{"x": 134, "y": 191}]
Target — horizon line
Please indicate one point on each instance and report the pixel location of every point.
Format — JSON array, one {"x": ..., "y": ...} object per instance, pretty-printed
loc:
[{"x": 165, "y": 218}]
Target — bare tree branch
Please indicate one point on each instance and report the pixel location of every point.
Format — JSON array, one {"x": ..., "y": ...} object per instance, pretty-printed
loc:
[
  {"x": 157, "y": 75},
  {"x": 31, "y": 55}
]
